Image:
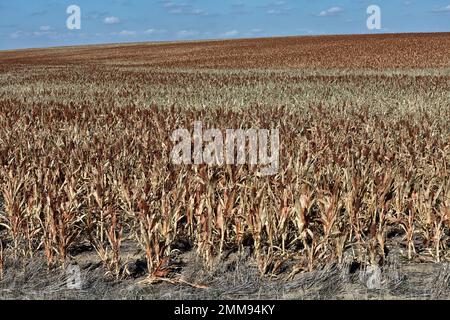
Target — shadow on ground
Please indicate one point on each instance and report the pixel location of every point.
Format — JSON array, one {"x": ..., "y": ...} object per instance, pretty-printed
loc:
[{"x": 237, "y": 277}]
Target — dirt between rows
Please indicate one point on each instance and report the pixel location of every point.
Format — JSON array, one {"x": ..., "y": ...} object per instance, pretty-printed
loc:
[{"x": 235, "y": 277}]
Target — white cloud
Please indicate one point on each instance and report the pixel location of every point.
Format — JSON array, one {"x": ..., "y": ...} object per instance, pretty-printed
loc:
[
  {"x": 51, "y": 34},
  {"x": 170, "y": 4},
  {"x": 16, "y": 35},
  {"x": 154, "y": 31},
  {"x": 125, "y": 33},
  {"x": 183, "y": 8},
  {"x": 230, "y": 33},
  {"x": 45, "y": 28},
  {"x": 111, "y": 20},
  {"x": 276, "y": 8},
  {"x": 187, "y": 33},
  {"x": 330, "y": 12},
  {"x": 442, "y": 9},
  {"x": 254, "y": 32},
  {"x": 274, "y": 11},
  {"x": 199, "y": 12}
]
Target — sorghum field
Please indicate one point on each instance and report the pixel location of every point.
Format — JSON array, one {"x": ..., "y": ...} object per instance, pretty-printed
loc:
[{"x": 364, "y": 174}]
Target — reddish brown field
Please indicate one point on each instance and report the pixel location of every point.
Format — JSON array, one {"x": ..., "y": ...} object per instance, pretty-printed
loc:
[
  {"x": 385, "y": 51},
  {"x": 85, "y": 137}
]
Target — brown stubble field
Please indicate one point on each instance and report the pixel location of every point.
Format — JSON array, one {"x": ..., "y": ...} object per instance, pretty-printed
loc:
[{"x": 364, "y": 163}]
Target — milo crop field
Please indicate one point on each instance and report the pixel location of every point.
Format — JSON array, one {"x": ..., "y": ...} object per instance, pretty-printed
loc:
[{"x": 359, "y": 206}]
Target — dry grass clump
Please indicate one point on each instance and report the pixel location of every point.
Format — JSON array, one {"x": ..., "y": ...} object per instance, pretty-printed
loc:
[{"x": 84, "y": 156}]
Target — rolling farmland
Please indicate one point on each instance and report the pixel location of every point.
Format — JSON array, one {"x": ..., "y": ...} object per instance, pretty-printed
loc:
[{"x": 364, "y": 167}]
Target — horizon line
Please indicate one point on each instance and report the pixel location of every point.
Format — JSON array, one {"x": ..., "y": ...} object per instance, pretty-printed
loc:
[{"x": 124, "y": 43}]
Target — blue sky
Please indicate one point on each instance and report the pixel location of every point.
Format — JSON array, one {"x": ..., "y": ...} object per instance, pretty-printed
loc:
[{"x": 30, "y": 24}]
